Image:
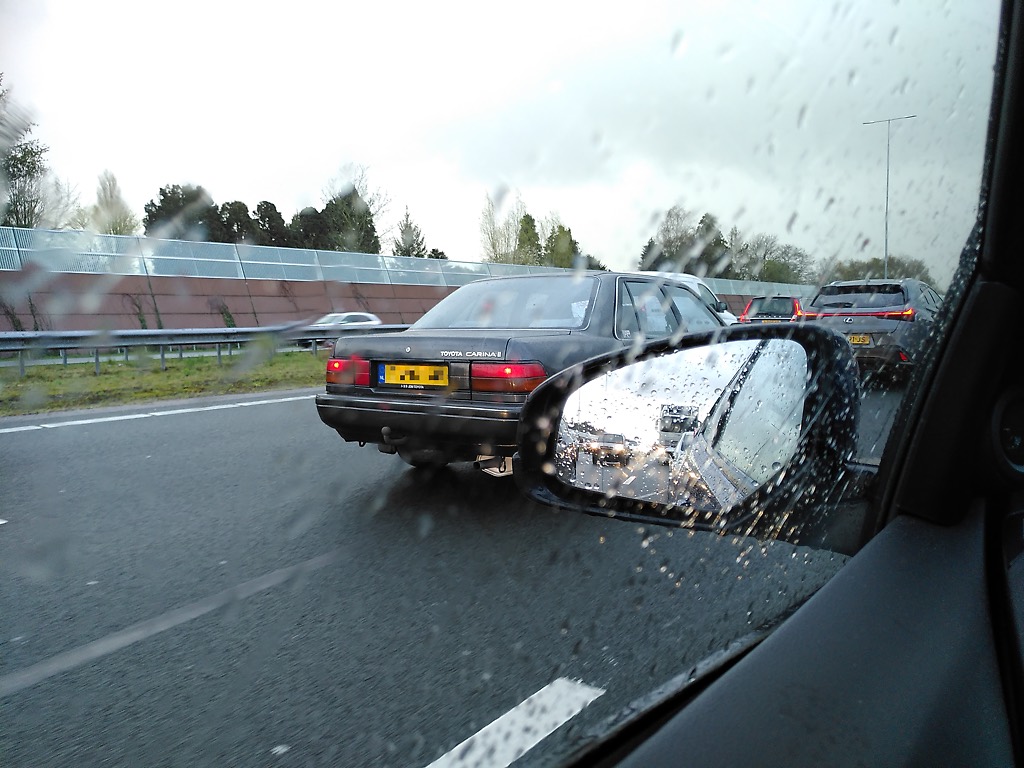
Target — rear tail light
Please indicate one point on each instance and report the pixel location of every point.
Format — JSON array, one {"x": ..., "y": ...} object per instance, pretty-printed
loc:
[
  {"x": 506, "y": 377},
  {"x": 348, "y": 370},
  {"x": 896, "y": 314},
  {"x": 798, "y": 311},
  {"x": 743, "y": 318}
]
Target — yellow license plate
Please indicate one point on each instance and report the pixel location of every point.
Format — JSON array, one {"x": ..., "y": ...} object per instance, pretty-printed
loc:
[
  {"x": 412, "y": 376},
  {"x": 771, "y": 321},
  {"x": 859, "y": 338}
]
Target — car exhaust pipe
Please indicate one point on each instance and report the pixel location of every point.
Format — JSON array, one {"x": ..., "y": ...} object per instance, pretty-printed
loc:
[
  {"x": 491, "y": 462},
  {"x": 389, "y": 439}
]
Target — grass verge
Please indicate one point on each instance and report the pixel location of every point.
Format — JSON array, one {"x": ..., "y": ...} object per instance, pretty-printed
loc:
[{"x": 56, "y": 387}]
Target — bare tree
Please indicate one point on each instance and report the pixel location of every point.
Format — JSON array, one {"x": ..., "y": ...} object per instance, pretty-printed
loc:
[
  {"x": 62, "y": 206},
  {"x": 356, "y": 176},
  {"x": 763, "y": 247},
  {"x": 676, "y": 232},
  {"x": 500, "y": 237},
  {"x": 110, "y": 215},
  {"x": 547, "y": 225}
]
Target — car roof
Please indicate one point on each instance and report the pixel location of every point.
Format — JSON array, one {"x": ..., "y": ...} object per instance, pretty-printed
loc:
[
  {"x": 877, "y": 281},
  {"x": 682, "y": 276},
  {"x": 598, "y": 273}
]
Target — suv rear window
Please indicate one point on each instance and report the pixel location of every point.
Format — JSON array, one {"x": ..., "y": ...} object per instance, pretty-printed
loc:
[
  {"x": 859, "y": 297},
  {"x": 778, "y": 305},
  {"x": 527, "y": 302}
]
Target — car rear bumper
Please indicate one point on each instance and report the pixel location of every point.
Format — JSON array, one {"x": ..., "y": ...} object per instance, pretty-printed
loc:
[
  {"x": 487, "y": 429},
  {"x": 882, "y": 356}
]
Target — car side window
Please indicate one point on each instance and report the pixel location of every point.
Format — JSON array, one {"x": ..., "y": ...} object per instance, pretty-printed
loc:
[
  {"x": 626, "y": 323},
  {"x": 694, "y": 316},
  {"x": 653, "y": 313},
  {"x": 706, "y": 295}
]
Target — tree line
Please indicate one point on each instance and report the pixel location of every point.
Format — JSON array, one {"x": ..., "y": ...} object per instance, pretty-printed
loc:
[
  {"x": 518, "y": 237},
  {"x": 687, "y": 243}
]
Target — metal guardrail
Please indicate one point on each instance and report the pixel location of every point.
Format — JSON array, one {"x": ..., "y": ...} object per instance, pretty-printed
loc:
[{"x": 27, "y": 343}]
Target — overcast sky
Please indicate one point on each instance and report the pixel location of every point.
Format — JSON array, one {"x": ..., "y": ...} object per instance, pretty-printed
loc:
[{"x": 605, "y": 115}]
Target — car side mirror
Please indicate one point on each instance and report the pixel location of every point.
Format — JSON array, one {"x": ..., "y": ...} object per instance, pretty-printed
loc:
[
  {"x": 746, "y": 430},
  {"x": 721, "y": 306}
]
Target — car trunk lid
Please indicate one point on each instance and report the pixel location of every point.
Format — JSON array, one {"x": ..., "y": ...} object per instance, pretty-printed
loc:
[
  {"x": 455, "y": 345},
  {"x": 428, "y": 363}
]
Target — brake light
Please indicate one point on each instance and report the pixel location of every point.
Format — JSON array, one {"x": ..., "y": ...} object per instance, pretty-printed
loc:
[
  {"x": 896, "y": 314},
  {"x": 798, "y": 311},
  {"x": 506, "y": 377},
  {"x": 743, "y": 315},
  {"x": 348, "y": 370}
]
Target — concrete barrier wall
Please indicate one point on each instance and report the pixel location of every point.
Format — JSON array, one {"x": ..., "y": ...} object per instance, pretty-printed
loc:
[
  {"x": 64, "y": 301},
  {"x": 36, "y": 299}
]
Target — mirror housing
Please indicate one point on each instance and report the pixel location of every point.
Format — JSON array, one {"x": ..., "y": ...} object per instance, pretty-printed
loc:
[{"x": 788, "y": 505}]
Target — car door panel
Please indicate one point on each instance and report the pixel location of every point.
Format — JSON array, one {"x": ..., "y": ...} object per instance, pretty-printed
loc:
[{"x": 863, "y": 674}]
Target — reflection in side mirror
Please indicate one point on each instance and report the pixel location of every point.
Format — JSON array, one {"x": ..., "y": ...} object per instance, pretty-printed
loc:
[
  {"x": 700, "y": 430},
  {"x": 749, "y": 430}
]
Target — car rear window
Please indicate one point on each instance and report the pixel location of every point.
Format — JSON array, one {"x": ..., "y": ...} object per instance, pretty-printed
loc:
[
  {"x": 778, "y": 305},
  {"x": 859, "y": 297},
  {"x": 562, "y": 301}
]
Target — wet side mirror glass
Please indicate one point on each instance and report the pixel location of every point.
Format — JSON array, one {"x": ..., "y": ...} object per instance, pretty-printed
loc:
[
  {"x": 700, "y": 430},
  {"x": 746, "y": 433}
]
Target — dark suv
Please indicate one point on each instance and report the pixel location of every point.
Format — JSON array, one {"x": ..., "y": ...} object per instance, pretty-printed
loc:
[{"x": 885, "y": 321}]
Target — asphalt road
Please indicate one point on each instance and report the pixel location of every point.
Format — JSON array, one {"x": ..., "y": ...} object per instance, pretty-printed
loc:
[{"x": 228, "y": 584}]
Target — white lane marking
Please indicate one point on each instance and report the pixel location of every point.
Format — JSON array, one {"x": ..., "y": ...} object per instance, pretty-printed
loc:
[
  {"x": 523, "y": 727},
  {"x": 83, "y": 654},
  {"x": 99, "y": 420},
  {"x": 3, "y": 522},
  {"x": 134, "y": 416}
]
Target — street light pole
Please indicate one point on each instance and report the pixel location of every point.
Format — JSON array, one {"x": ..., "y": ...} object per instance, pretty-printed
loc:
[{"x": 888, "y": 136}]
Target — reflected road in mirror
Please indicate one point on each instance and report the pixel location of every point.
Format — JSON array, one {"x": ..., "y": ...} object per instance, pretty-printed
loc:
[{"x": 701, "y": 428}]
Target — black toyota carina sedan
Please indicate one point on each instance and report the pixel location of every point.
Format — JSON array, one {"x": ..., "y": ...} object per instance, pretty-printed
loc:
[{"x": 451, "y": 387}]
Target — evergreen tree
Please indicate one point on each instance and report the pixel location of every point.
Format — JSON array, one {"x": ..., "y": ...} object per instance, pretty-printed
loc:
[
  {"x": 528, "y": 249},
  {"x": 184, "y": 213},
  {"x": 410, "y": 239},
  {"x": 270, "y": 226},
  {"x": 560, "y": 249},
  {"x": 350, "y": 225}
]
